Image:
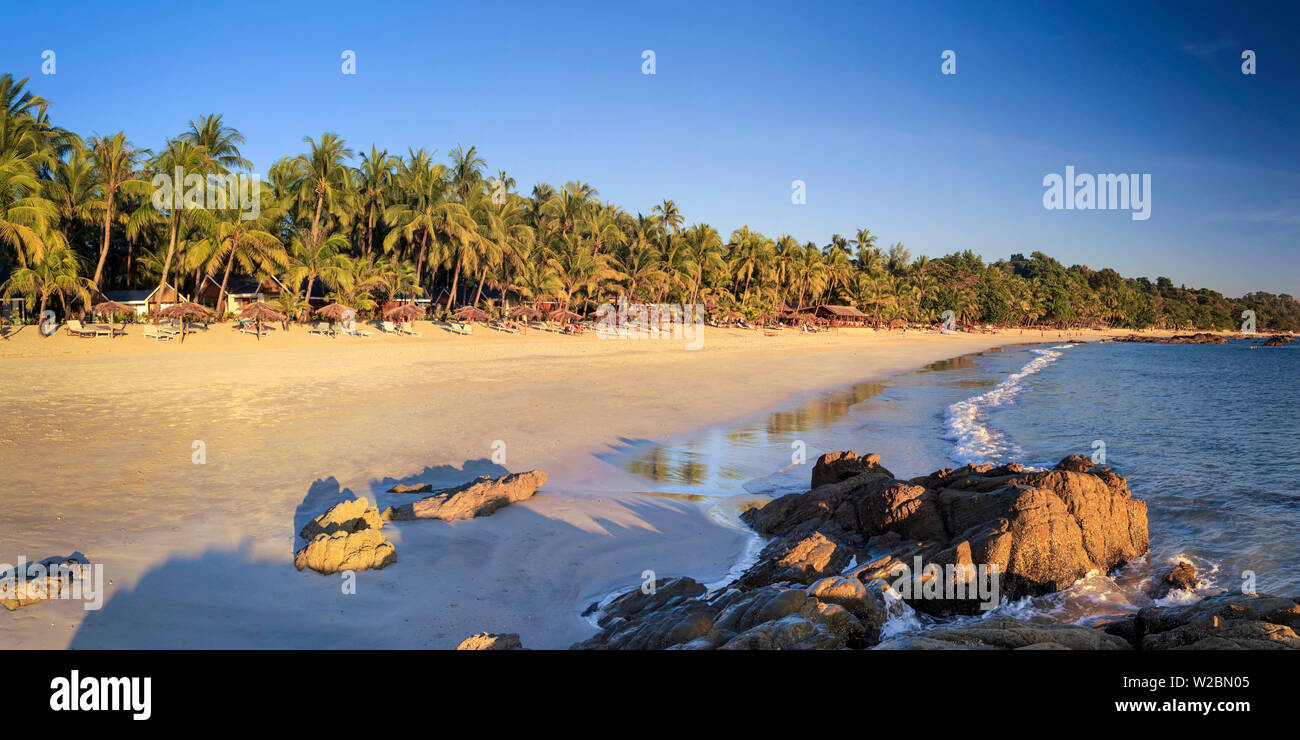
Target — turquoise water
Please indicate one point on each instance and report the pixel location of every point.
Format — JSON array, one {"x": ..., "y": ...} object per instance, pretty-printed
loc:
[{"x": 1204, "y": 433}]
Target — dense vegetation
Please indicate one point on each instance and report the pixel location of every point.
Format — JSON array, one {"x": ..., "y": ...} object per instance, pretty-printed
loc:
[{"x": 77, "y": 215}]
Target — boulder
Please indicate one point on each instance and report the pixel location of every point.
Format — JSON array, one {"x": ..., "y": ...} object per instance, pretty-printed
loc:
[
  {"x": 798, "y": 559},
  {"x": 42, "y": 580},
  {"x": 490, "y": 641},
  {"x": 346, "y": 537},
  {"x": 834, "y": 467},
  {"x": 479, "y": 497},
  {"x": 1180, "y": 577}
]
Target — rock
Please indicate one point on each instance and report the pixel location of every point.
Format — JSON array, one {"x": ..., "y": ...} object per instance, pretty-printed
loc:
[
  {"x": 1041, "y": 530},
  {"x": 834, "y": 467},
  {"x": 1180, "y": 577},
  {"x": 799, "y": 560},
  {"x": 42, "y": 580},
  {"x": 479, "y": 497},
  {"x": 1004, "y": 633},
  {"x": 667, "y": 592},
  {"x": 489, "y": 641},
  {"x": 416, "y": 488},
  {"x": 346, "y": 537},
  {"x": 331, "y": 553},
  {"x": 851, "y": 594},
  {"x": 1197, "y": 338},
  {"x": 717, "y": 621},
  {"x": 345, "y": 516},
  {"x": 1277, "y": 340},
  {"x": 1226, "y": 621}
]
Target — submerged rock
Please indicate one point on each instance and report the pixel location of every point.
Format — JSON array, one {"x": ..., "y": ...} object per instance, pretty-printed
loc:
[
  {"x": 346, "y": 537},
  {"x": 1226, "y": 621},
  {"x": 479, "y": 497},
  {"x": 1180, "y": 577},
  {"x": 1197, "y": 338},
  {"x": 490, "y": 641}
]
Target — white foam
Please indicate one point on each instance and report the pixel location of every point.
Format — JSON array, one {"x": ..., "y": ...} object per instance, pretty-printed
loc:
[{"x": 974, "y": 441}]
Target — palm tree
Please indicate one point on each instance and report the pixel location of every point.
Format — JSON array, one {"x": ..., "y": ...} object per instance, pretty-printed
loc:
[
  {"x": 58, "y": 272},
  {"x": 220, "y": 141},
  {"x": 115, "y": 166},
  {"x": 318, "y": 257},
  {"x": 26, "y": 218},
  {"x": 324, "y": 176},
  {"x": 179, "y": 154},
  {"x": 375, "y": 178},
  {"x": 248, "y": 243}
]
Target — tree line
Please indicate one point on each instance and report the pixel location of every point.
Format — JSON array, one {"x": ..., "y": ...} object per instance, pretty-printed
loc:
[{"x": 77, "y": 216}]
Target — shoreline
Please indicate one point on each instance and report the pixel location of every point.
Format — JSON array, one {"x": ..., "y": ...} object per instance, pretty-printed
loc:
[{"x": 171, "y": 531}]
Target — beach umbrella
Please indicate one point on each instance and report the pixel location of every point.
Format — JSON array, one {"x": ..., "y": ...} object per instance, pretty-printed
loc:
[
  {"x": 260, "y": 312},
  {"x": 108, "y": 308},
  {"x": 731, "y": 316},
  {"x": 563, "y": 315},
  {"x": 405, "y": 312},
  {"x": 524, "y": 312},
  {"x": 470, "y": 313},
  {"x": 186, "y": 310},
  {"x": 336, "y": 312}
]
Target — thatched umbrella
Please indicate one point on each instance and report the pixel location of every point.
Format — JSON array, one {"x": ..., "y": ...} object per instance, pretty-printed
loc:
[
  {"x": 524, "y": 312},
  {"x": 186, "y": 310},
  {"x": 108, "y": 308},
  {"x": 731, "y": 316},
  {"x": 260, "y": 312},
  {"x": 470, "y": 313},
  {"x": 405, "y": 312},
  {"x": 336, "y": 312}
]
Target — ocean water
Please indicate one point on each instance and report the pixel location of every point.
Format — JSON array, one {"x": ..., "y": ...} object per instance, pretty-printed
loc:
[{"x": 1205, "y": 434}]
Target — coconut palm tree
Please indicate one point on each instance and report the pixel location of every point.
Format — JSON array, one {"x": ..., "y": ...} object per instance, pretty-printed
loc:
[
  {"x": 248, "y": 243},
  {"x": 116, "y": 164},
  {"x": 58, "y": 272},
  {"x": 374, "y": 179},
  {"x": 325, "y": 176}
]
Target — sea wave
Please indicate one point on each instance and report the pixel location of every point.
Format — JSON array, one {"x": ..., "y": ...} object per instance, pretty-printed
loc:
[{"x": 974, "y": 441}]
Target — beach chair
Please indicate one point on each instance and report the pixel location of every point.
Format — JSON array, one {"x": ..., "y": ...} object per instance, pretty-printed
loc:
[
  {"x": 320, "y": 327},
  {"x": 76, "y": 329},
  {"x": 389, "y": 327},
  {"x": 156, "y": 332},
  {"x": 461, "y": 327},
  {"x": 406, "y": 329},
  {"x": 356, "y": 332}
]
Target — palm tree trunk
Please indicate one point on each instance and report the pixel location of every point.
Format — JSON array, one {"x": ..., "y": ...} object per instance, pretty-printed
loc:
[
  {"x": 221, "y": 294},
  {"x": 44, "y": 297},
  {"x": 171, "y": 249},
  {"x": 370, "y": 227},
  {"x": 103, "y": 250},
  {"x": 315, "y": 222},
  {"x": 479, "y": 293}
]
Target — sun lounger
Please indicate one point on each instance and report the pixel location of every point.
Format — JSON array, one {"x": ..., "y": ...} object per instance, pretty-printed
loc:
[
  {"x": 461, "y": 327},
  {"x": 407, "y": 330},
  {"x": 320, "y": 327},
  {"x": 76, "y": 329},
  {"x": 503, "y": 327},
  {"x": 356, "y": 332},
  {"x": 155, "y": 332},
  {"x": 389, "y": 327}
]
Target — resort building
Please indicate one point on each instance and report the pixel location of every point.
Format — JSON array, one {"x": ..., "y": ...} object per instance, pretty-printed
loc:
[{"x": 842, "y": 315}]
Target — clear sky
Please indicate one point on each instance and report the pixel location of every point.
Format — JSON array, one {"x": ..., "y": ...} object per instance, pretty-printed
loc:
[{"x": 748, "y": 97}]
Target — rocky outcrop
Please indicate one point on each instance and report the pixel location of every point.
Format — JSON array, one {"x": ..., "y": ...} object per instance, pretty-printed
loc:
[
  {"x": 479, "y": 497},
  {"x": 1006, "y": 634},
  {"x": 1041, "y": 530},
  {"x": 1228, "y": 621},
  {"x": 42, "y": 580},
  {"x": 1038, "y": 531},
  {"x": 1277, "y": 340},
  {"x": 490, "y": 641},
  {"x": 347, "y": 537},
  {"x": 1197, "y": 338}
]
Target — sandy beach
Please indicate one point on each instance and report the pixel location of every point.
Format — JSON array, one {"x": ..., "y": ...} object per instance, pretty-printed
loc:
[{"x": 99, "y": 445}]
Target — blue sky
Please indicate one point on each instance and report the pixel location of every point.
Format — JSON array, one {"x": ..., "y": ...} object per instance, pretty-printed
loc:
[{"x": 748, "y": 97}]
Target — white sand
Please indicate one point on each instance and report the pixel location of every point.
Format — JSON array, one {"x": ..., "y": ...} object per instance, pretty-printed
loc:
[{"x": 97, "y": 445}]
